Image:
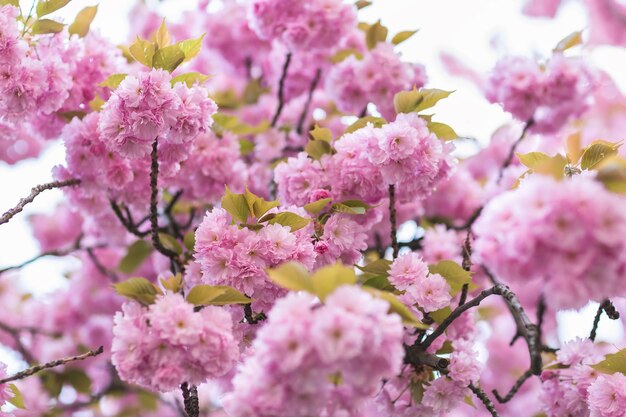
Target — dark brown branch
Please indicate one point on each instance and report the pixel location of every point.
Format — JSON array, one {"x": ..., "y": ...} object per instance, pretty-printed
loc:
[
  {"x": 518, "y": 384},
  {"x": 15, "y": 334},
  {"x": 63, "y": 252},
  {"x": 509, "y": 157},
  {"x": 482, "y": 396},
  {"x": 251, "y": 318},
  {"x": 281, "y": 90},
  {"x": 127, "y": 223},
  {"x": 38, "y": 368},
  {"x": 100, "y": 267},
  {"x": 416, "y": 355},
  {"x": 190, "y": 399},
  {"x": 309, "y": 98},
  {"x": 392, "y": 220},
  {"x": 608, "y": 307},
  {"x": 415, "y": 244},
  {"x": 34, "y": 192}
]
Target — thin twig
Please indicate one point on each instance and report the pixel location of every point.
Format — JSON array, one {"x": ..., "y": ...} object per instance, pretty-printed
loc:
[
  {"x": 608, "y": 307},
  {"x": 281, "y": 90},
  {"x": 15, "y": 334},
  {"x": 482, "y": 396},
  {"x": 38, "y": 368},
  {"x": 309, "y": 98},
  {"x": 518, "y": 384},
  {"x": 100, "y": 267},
  {"x": 509, "y": 157},
  {"x": 392, "y": 220},
  {"x": 34, "y": 192}
]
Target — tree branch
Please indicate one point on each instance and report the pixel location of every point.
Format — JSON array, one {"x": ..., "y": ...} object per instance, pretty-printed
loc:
[
  {"x": 608, "y": 307},
  {"x": 190, "y": 399},
  {"x": 509, "y": 157},
  {"x": 482, "y": 396},
  {"x": 518, "y": 384},
  {"x": 34, "y": 192},
  {"x": 309, "y": 98},
  {"x": 392, "y": 220},
  {"x": 281, "y": 90},
  {"x": 38, "y": 368}
]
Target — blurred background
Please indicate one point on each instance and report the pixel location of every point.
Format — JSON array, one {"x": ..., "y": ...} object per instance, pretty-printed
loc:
[{"x": 476, "y": 33}]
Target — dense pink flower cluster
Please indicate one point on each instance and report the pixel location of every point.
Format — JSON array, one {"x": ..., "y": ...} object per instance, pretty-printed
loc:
[
  {"x": 230, "y": 255},
  {"x": 550, "y": 96},
  {"x": 318, "y": 360},
  {"x": 147, "y": 107},
  {"x": 374, "y": 79},
  {"x": 440, "y": 244},
  {"x": 316, "y": 24},
  {"x": 570, "y": 235},
  {"x": 166, "y": 344},
  {"x": 12, "y": 48},
  {"x": 60, "y": 230},
  {"x": 5, "y": 393},
  {"x": 409, "y": 273},
  {"x": 607, "y": 396}
]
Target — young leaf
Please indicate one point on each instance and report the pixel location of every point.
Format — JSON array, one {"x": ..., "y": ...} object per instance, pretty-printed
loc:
[
  {"x": 327, "y": 279},
  {"x": 191, "y": 47},
  {"x": 407, "y": 101},
  {"x": 597, "y": 152},
  {"x": 17, "y": 400},
  {"x": 574, "y": 151},
  {"x": 360, "y": 4},
  {"x": 292, "y": 276},
  {"x": 453, "y": 273},
  {"x": 45, "y": 7},
  {"x": 83, "y": 20},
  {"x": 533, "y": 159},
  {"x": 162, "y": 36},
  {"x": 190, "y": 240},
  {"x": 344, "y": 208},
  {"x": 236, "y": 205},
  {"x": 612, "y": 363},
  {"x": 44, "y": 26},
  {"x": 442, "y": 131},
  {"x": 376, "y": 33},
  {"x": 173, "y": 283},
  {"x": 246, "y": 146},
  {"x": 139, "y": 289},
  {"x": 378, "y": 267},
  {"x": 319, "y": 133},
  {"x": 440, "y": 315},
  {"x": 569, "y": 41},
  {"x": 363, "y": 121},
  {"x": 216, "y": 295},
  {"x": 143, "y": 51},
  {"x": 137, "y": 253},
  {"x": 344, "y": 54},
  {"x": 113, "y": 81},
  {"x": 317, "y": 206},
  {"x": 261, "y": 206},
  {"x": 189, "y": 78},
  {"x": 402, "y": 36},
  {"x": 97, "y": 103},
  {"x": 318, "y": 148},
  {"x": 292, "y": 220},
  {"x": 430, "y": 97},
  {"x": 170, "y": 243},
  {"x": 168, "y": 58}
]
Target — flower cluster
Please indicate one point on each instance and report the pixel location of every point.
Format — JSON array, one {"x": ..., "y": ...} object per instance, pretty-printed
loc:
[
  {"x": 548, "y": 97},
  {"x": 309, "y": 360},
  {"x": 238, "y": 257},
  {"x": 374, "y": 79},
  {"x": 147, "y": 107},
  {"x": 168, "y": 343},
  {"x": 317, "y": 24},
  {"x": 569, "y": 235}
]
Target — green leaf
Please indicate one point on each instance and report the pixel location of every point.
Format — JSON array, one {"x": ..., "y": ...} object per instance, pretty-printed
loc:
[
  {"x": 168, "y": 58},
  {"x": 139, "y": 289},
  {"x": 236, "y": 205},
  {"x": 191, "y": 47},
  {"x": 440, "y": 315},
  {"x": 378, "y": 267},
  {"x": 286, "y": 218},
  {"x": 319, "y": 133},
  {"x": 17, "y": 400},
  {"x": 162, "y": 36},
  {"x": 430, "y": 97},
  {"x": 318, "y": 148},
  {"x": 78, "y": 379},
  {"x": 533, "y": 159},
  {"x": 190, "y": 240},
  {"x": 253, "y": 91},
  {"x": 407, "y": 101},
  {"x": 169, "y": 242},
  {"x": 137, "y": 253},
  {"x": 417, "y": 391},
  {"x": 246, "y": 146},
  {"x": 598, "y": 151},
  {"x": 327, "y": 279},
  {"x": 571, "y": 40},
  {"x": 360, "y": 4},
  {"x": 344, "y": 54},
  {"x": 113, "y": 81},
  {"x": 446, "y": 348},
  {"x": 83, "y": 20},
  {"x": 346, "y": 209},
  {"x": 189, "y": 78},
  {"x": 612, "y": 363},
  {"x": 442, "y": 131},
  {"x": 216, "y": 295},
  {"x": 97, "y": 103},
  {"x": 173, "y": 283},
  {"x": 44, "y": 26},
  {"x": 379, "y": 282},
  {"x": 453, "y": 273},
  {"x": 398, "y": 307},
  {"x": 15, "y": 3},
  {"x": 45, "y": 7},
  {"x": 363, "y": 121},
  {"x": 292, "y": 276},
  {"x": 317, "y": 206},
  {"x": 376, "y": 33},
  {"x": 402, "y": 36},
  {"x": 143, "y": 51},
  {"x": 469, "y": 401},
  {"x": 261, "y": 206}
]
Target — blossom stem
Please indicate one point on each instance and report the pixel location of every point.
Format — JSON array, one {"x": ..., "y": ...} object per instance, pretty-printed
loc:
[
  {"x": 281, "y": 90},
  {"x": 509, "y": 157},
  {"x": 38, "y": 368},
  {"x": 392, "y": 220},
  {"x": 309, "y": 98},
  {"x": 34, "y": 192}
]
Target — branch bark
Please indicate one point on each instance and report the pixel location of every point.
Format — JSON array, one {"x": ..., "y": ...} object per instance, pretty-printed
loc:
[{"x": 281, "y": 90}]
